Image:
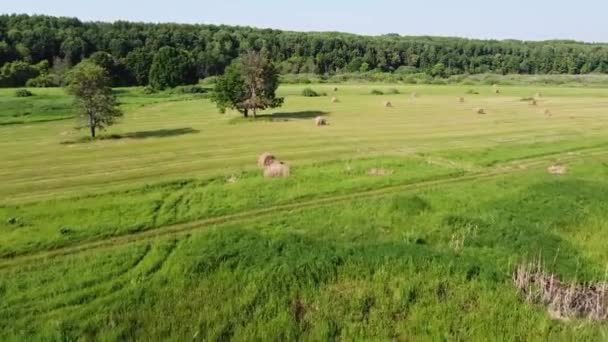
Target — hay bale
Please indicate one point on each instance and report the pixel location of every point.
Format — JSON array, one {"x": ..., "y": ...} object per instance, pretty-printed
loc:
[
  {"x": 265, "y": 159},
  {"x": 276, "y": 169},
  {"x": 334, "y": 100},
  {"x": 480, "y": 111},
  {"x": 320, "y": 121},
  {"x": 461, "y": 99},
  {"x": 388, "y": 104},
  {"x": 557, "y": 169}
]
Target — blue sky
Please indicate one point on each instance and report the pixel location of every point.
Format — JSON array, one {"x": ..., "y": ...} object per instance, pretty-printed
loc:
[{"x": 518, "y": 19}]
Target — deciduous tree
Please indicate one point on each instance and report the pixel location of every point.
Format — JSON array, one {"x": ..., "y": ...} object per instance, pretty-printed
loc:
[{"x": 90, "y": 85}]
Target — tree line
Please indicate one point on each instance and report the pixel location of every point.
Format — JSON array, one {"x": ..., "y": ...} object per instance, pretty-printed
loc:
[{"x": 41, "y": 49}]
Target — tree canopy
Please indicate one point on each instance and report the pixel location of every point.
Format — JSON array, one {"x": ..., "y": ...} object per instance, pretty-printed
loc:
[
  {"x": 90, "y": 85},
  {"x": 212, "y": 48},
  {"x": 249, "y": 84}
]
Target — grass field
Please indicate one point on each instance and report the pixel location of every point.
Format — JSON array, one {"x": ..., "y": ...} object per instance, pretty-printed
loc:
[{"x": 164, "y": 229}]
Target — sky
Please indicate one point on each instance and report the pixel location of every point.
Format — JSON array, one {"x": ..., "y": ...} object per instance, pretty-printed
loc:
[{"x": 582, "y": 20}]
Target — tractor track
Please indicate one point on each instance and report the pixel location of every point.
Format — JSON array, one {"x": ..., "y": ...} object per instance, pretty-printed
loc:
[{"x": 181, "y": 229}]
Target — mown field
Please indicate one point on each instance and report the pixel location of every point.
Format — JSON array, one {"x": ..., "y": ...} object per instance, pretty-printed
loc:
[{"x": 164, "y": 229}]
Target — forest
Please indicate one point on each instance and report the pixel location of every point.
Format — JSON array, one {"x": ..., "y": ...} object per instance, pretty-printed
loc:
[{"x": 37, "y": 51}]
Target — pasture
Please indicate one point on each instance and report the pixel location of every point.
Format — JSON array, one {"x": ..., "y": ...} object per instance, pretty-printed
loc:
[{"x": 164, "y": 228}]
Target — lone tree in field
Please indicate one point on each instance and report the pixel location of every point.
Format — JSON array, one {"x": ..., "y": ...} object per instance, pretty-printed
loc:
[
  {"x": 248, "y": 84},
  {"x": 90, "y": 85}
]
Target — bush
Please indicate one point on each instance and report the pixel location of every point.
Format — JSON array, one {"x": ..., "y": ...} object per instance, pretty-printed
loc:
[
  {"x": 42, "y": 81},
  {"x": 472, "y": 92},
  {"x": 192, "y": 89},
  {"x": 376, "y": 92},
  {"x": 23, "y": 93},
  {"x": 148, "y": 90},
  {"x": 308, "y": 92},
  {"x": 393, "y": 91}
]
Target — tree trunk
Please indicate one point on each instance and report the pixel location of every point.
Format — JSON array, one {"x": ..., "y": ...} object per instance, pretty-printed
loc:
[
  {"x": 246, "y": 113},
  {"x": 92, "y": 126},
  {"x": 254, "y": 112}
]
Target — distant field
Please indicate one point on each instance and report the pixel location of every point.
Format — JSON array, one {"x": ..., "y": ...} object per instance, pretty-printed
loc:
[{"x": 165, "y": 228}]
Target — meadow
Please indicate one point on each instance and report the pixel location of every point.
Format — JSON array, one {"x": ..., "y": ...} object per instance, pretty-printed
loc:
[{"x": 165, "y": 229}]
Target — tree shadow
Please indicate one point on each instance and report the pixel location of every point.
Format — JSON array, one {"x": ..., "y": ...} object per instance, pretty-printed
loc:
[
  {"x": 309, "y": 114},
  {"x": 160, "y": 133}
]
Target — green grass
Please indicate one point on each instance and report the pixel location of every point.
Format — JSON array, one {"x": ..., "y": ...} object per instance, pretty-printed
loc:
[{"x": 165, "y": 229}]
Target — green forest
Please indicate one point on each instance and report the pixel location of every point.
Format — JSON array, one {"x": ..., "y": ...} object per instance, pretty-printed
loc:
[{"x": 37, "y": 51}]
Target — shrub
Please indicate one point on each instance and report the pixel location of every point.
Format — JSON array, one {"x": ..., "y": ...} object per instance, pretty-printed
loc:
[
  {"x": 393, "y": 91},
  {"x": 42, "y": 81},
  {"x": 376, "y": 92},
  {"x": 472, "y": 92},
  {"x": 23, "y": 93},
  {"x": 192, "y": 89},
  {"x": 308, "y": 92},
  {"x": 148, "y": 90}
]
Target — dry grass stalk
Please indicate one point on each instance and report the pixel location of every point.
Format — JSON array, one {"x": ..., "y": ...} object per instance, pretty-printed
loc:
[
  {"x": 379, "y": 172},
  {"x": 265, "y": 159},
  {"x": 557, "y": 169},
  {"x": 563, "y": 300}
]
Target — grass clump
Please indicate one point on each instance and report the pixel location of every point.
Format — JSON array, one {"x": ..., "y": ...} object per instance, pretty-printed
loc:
[
  {"x": 23, "y": 93},
  {"x": 309, "y": 92},
  {"x": 377, "y": 92}
]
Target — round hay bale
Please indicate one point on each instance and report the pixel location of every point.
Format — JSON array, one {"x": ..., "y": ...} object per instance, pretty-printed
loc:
[
  {"x": 388, "y": 104},
  {"x": 461, "y": 99},
  {"x": 276, "y": 169},
  {"x": 557, "y": 169},
  {"x": 480, "y": 111},
  {"x": 265, "y": 159},
  {"x": 334, "y": 100},
  {"x": 320, "y": 121}
]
